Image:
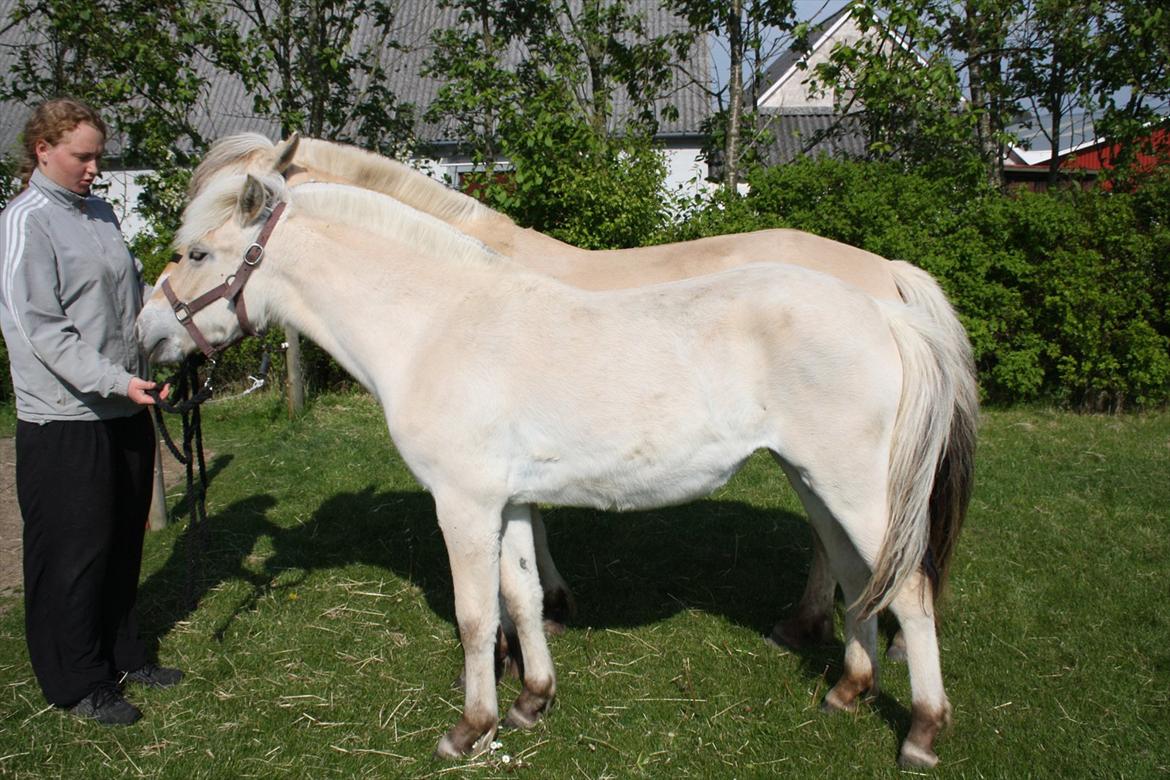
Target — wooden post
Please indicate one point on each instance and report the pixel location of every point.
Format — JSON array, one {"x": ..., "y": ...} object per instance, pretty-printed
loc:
[
  {"x": 157, "y": 519},
  {"x": 296, "y": 380}
]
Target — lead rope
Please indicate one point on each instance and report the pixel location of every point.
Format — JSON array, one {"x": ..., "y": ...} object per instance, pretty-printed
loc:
[{"x": 187, "y": 404}]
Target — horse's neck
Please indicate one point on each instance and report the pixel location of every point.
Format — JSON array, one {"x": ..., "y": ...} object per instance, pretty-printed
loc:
[
  {"x": 535, "y": 251},
  {"x": 346, "y": 294}
]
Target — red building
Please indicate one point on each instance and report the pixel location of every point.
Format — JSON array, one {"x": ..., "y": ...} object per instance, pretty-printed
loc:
[{"x": 1085, "y": 162}]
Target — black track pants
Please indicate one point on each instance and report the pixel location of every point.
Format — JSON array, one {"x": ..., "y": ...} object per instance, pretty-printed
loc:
[{"x": 84, "y": 490}]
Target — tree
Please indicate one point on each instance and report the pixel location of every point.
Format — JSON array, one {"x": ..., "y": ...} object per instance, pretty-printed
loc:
[
  {"x": 1051, "y": 60},
  {"x": 904, "y": 81},
  {"x": 566, "y": 93},
  {"x": 982, "y": 61},
  {"x": 752, "y": 32},
  {"x": 132, "y": 59},
  {"x": 1130, "y": 74},
  {"x": 304, "y": 65}
]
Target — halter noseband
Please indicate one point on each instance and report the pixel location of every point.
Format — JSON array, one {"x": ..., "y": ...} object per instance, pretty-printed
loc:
[{"x": 230, "y": 289}]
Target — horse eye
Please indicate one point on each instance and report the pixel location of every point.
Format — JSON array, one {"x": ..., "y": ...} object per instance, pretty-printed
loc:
[{"x": 196, "y": 254}]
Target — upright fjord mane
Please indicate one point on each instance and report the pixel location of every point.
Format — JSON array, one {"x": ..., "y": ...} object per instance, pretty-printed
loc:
[
  {"x": 375, "y": 172},
  {"x": 339, "y": 162},
  {"x": 360, "y": 209}
]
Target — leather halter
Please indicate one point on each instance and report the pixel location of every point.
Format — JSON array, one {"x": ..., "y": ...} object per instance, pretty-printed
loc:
[{"x": 230, "y": 289}]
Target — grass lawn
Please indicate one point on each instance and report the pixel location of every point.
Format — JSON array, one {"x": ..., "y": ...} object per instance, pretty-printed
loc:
[{"x": 323, "y": 640}]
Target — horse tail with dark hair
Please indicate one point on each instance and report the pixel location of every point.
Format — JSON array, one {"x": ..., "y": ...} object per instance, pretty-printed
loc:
[{"x": 932, "y": 455}]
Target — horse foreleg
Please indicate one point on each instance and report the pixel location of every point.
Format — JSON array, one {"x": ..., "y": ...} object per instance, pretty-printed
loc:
[
  {"x": 813, "y": 622},
  {"x": 472, "y": 535},
  {"x": 520, "y": 586},
  {"x": 930, "y": 711},
  {"x": 559, "y": 604}
]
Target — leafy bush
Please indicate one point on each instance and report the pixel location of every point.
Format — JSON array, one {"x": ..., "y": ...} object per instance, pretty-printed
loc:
[
  {"x": 1064, "y": 295},
  {"x": 571, "y": 182}
]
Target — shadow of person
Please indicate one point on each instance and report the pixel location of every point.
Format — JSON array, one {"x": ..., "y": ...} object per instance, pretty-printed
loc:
[{"x": 170, "y": 594}]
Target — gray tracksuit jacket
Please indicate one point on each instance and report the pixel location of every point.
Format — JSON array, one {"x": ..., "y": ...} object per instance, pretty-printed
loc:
[{"x": 69, "y": 295}]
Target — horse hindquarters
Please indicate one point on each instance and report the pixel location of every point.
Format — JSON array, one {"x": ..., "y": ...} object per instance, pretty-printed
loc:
[{"x": 870, "y": 506}]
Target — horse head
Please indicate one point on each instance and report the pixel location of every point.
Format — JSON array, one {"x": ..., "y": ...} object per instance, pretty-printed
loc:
[{"x": 198, "y": 302}]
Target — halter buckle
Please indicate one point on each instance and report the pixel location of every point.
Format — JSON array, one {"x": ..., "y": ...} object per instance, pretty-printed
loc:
[
  {"x": 182, "y": 313},
  {"x": 254, "y": 254}
]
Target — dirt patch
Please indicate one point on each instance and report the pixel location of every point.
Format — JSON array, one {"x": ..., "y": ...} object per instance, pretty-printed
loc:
[{"x": 11, "y": 575}]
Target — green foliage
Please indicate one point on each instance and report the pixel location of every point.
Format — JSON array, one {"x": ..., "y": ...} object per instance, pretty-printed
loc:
[
  {"x": 1064, "y": 295},
  {"x": 589, "y": 190}
]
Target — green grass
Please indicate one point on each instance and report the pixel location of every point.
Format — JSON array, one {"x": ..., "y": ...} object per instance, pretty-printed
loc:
[{"x": 323, "y": 642}]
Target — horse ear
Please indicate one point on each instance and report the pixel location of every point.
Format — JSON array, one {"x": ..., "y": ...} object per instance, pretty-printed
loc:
[
  {"x": 285, "y": 151},
  {"x": 252, "y": 202}
]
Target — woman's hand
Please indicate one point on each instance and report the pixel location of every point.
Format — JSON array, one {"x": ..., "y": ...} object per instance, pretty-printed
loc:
[{"x": 137, "y": 391}]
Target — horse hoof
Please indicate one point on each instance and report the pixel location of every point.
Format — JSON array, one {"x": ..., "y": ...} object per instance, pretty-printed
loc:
[
  {"x": 461, "y": 741},
  {"x": 559, "y": 607},
  {"x": 798, "y": 633},
  {"x": 896, "y": 652},
  {"x": 527, "y": 710},
  {"x": 915, "y": 757},
  {"x": 834, "y": 703}
]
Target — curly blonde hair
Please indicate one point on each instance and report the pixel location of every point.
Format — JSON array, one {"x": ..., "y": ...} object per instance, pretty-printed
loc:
[{"x": 50, "y": 121}]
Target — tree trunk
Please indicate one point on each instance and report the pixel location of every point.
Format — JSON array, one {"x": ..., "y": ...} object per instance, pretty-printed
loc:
[
  {"x": 296, "y": 380},
  {"x": 734, "y": 95}
]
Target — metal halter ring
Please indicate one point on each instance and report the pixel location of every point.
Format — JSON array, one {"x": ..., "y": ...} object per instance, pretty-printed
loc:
[{"x": 254, "y": 254}]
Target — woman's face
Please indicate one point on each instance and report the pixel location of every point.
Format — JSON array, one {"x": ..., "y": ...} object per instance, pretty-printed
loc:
[{"x": 74, "y": 161}]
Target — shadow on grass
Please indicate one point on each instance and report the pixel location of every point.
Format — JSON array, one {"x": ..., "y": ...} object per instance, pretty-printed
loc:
[{"x": 725, "y": 558}]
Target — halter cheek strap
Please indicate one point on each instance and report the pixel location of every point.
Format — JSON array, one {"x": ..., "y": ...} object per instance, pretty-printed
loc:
[{"x": 231, "y": 289}]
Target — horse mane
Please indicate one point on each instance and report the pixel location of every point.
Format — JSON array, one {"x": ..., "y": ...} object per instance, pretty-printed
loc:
[
  {"x": 362, "y": 209},
  {"x": 375, "y": 212},
  {"x": 381, "y": 174},
  {"x": 236, "y": 151}
]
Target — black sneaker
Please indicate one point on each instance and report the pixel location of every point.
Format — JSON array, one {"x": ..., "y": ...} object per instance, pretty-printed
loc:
[
  {"x": 155, "y": 676},
  {"x": 106, "y": 705}
]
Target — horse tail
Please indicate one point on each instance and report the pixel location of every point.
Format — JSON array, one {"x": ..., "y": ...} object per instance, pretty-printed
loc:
[{"x": 932, "y": 452}]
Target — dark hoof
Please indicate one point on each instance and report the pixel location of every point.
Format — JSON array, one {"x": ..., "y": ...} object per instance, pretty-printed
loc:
[
  {"x": 527, "y": 710},
  {"x": 465, "y": 740},
  {"x": 915, "y": 757},
  {"x": 800, "y": 633},
  {"x": 897, "y": 650},
  {"x": 559, "y": 608}
]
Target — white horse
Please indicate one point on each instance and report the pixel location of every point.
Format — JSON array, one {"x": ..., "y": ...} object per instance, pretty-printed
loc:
[
  {"x": 307, "y": 159},
  {"x": 503, "y": 388}
]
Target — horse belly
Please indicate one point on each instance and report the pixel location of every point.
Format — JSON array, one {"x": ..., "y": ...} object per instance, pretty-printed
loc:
[{"x": 635, "y": 479}]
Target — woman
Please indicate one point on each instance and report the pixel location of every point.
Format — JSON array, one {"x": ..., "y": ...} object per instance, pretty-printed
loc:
[{"x": 69, "y": 295}]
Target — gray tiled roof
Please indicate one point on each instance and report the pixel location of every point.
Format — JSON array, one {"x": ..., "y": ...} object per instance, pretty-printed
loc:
[
  {"x": 227, "y": 108},
  {"x": 801, "y": 132}
]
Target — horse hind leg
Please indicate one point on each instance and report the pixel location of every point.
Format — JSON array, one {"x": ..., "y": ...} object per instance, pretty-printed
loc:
[
  {"x": 930, "y": 710},
  {"x": 861, "y": 665},
  {"x": 521, "y": 589},
  {"x": 812, "y": 624},
  {"x": 559, "y": 604}
]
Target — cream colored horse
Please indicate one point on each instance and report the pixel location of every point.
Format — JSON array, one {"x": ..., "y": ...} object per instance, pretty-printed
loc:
[
  {"x": 503, "y": 388},
  {"x": 308, "y": 159}
]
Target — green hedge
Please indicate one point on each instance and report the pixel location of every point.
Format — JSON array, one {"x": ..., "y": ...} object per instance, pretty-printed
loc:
[{"x": 1064, "y": 294}]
